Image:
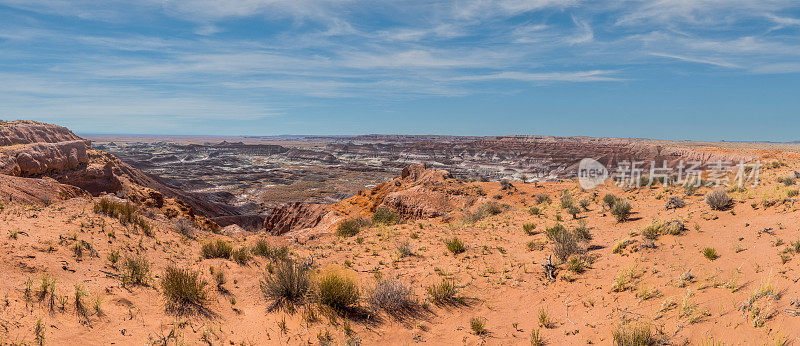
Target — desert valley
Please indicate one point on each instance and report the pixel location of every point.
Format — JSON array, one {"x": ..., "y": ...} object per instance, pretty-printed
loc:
[{"x": 390, "y": 240}]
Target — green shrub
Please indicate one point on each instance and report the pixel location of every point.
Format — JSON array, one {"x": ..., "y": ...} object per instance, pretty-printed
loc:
[
  {"x": 289, "y": 283},
  {"x": 792, "y": 193},
  {"x": 455, "y": 245},
  {"x": 621, "y": 210},
  {"x": 584, "y": 203},
  {"x": 264, "y": 249},
  {"x": 565, "y": 243},
  {"x": 337, "y": 291},
  {"x": 535, "y": 211},
  {"x": 634, "y": 335},
  {"x": 184, "y": 290},
  {"x": 542, "y": 198},
  {"x": 242, "y": 255},
  {"x": 609, "y": 200},
  {"x": 217, "y": 249},
  {"x": 574, "y": 211},
  {"x": 788, "y": 181},
  {"x": 349, "y": 228},
  {"x": 385, "y": 216},
  {"x": 529, "y": 228},
  {"x": 444, "y": 293},
  {"x": 478, "y": 326},
  {"x": 567, "y": 201},
  {"x": 135, "y": 271},
  {"x": 710, "y": 253}
]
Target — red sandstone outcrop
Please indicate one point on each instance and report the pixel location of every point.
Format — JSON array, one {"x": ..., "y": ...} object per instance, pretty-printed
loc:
[
  {"x": 295, "y": 216},
  {"x": 33, "y": 191}
]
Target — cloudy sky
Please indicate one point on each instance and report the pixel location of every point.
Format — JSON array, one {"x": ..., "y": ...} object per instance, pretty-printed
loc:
[{"x": 677, "y": 69}]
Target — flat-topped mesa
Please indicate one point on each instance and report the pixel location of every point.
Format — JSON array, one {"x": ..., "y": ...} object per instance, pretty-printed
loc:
[{"x": 28, "y": 132}]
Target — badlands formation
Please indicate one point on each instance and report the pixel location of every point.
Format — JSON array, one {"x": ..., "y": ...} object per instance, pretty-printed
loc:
[{"x": 444, "y": 245}]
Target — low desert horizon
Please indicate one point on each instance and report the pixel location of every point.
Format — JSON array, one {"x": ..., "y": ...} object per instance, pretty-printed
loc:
[
  {"x": 396, "y": 239},
  {"x": 448, "y": 172}
]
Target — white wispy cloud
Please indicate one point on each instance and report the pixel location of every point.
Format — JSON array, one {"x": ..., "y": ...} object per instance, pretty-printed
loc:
[
  {"x": 577, "y": 76},
  {"x": 697, "y": 60}
]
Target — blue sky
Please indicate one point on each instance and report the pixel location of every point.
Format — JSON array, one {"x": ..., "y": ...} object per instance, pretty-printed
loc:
[{"x": 674, "y": 69}]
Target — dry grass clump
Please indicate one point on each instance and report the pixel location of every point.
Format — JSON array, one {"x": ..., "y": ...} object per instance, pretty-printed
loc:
[
  {"x": 217, "y": 249},
  {"x": 242, "y": 255},
  {"x": 478, "y": 326},
  {"x": 640, "y": 334},
  {"x": 484, "y": 210},
  {"x": 609, "y": 200},
  {"x": 621, "y": 210},
  {"x": 719, "y": 200},
  {"x": 672, "y": 227},
  {"x": 542, "y": 198},
  {"x": 444, "y": 293},
  {"x": 536, "y": 338},
  {"x": 760, "y": 303},
  {"x": 349, "y": 228},
  {"x": 565, "y": 242},
  {"x": 135, "y": 271},
  {"x": 264, "y": 249},
  {"x": 184, "y": 290},
  {"x": 288, "y": 284},
  {"x": 675, "y": 202},
  {"x": 455, "y": 245},
  {"x": 125, "y": 212},
  {"x": 337, "y": 290},
  {"x": 385, "y": 216},
  {"x": 544, "y": 319},
  {"x": 710, "y": 253},
  {"x": 393, "y": 296},
  {"x": 529, "y": 228}
]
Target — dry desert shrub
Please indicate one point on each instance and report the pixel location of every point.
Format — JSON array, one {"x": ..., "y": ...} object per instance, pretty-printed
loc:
[
  {"x": 385, "y": 216},
  {"x": 217, "y": 249},
  {"x": 675, "y": 202},
  {"x": 640, "y": 334},
  {"x": 719, "y": 200},
  {"x": 444, "y": 293},
  {"x": 621, "y": 209},
  {"x": 565, "y": 242},
  {"x": 455, "y": 245},
  {"x": 184, "y": 290},
  {"x": 393, "y": 296},
  {"x": 135, "y": 271},
  {"x": 264, "y": 249},
  {"x": 337, "y": 290},
  {"x": 242, "y": 255},
  {"x": 288, "y": 284},
  {"x": 349, "y": 228}
]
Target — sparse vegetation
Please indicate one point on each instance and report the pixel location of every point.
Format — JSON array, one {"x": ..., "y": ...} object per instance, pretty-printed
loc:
[
  {"x": 136, "y": 271},
  {"x": 710, "y": 253},
  {"x": 349, "y": 228},
  {"x": 337, "y": 290},
  {"x": 242, "y": 255},
  {"x": 544, "y": 319},
  {"x": 217, "y": 249},
  {"x": 393, "y": 296},
  {"x": 385, "y": 216},
  {"x": 264, "y": 249},
  {"x": 455, "y": 245},
  {"x": 478, "y": 326},
  {"x": 529, "y": 228},
  {"x": 621, "y": 210},
  {"x": 634, "y": 335},
  {"x": 184, "y": 290},
  {"x": 566, "y": 243},
  {"x": 446, "y": 292},
  {"x": 719, "y": 200},
  {"x": 289, "y": 283}
]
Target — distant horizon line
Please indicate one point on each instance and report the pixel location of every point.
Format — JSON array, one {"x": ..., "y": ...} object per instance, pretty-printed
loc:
[{"x": 83, "y": 134}]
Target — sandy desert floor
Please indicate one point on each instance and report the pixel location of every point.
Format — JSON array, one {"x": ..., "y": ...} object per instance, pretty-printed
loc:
[{"x": 748, "y": 294}]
